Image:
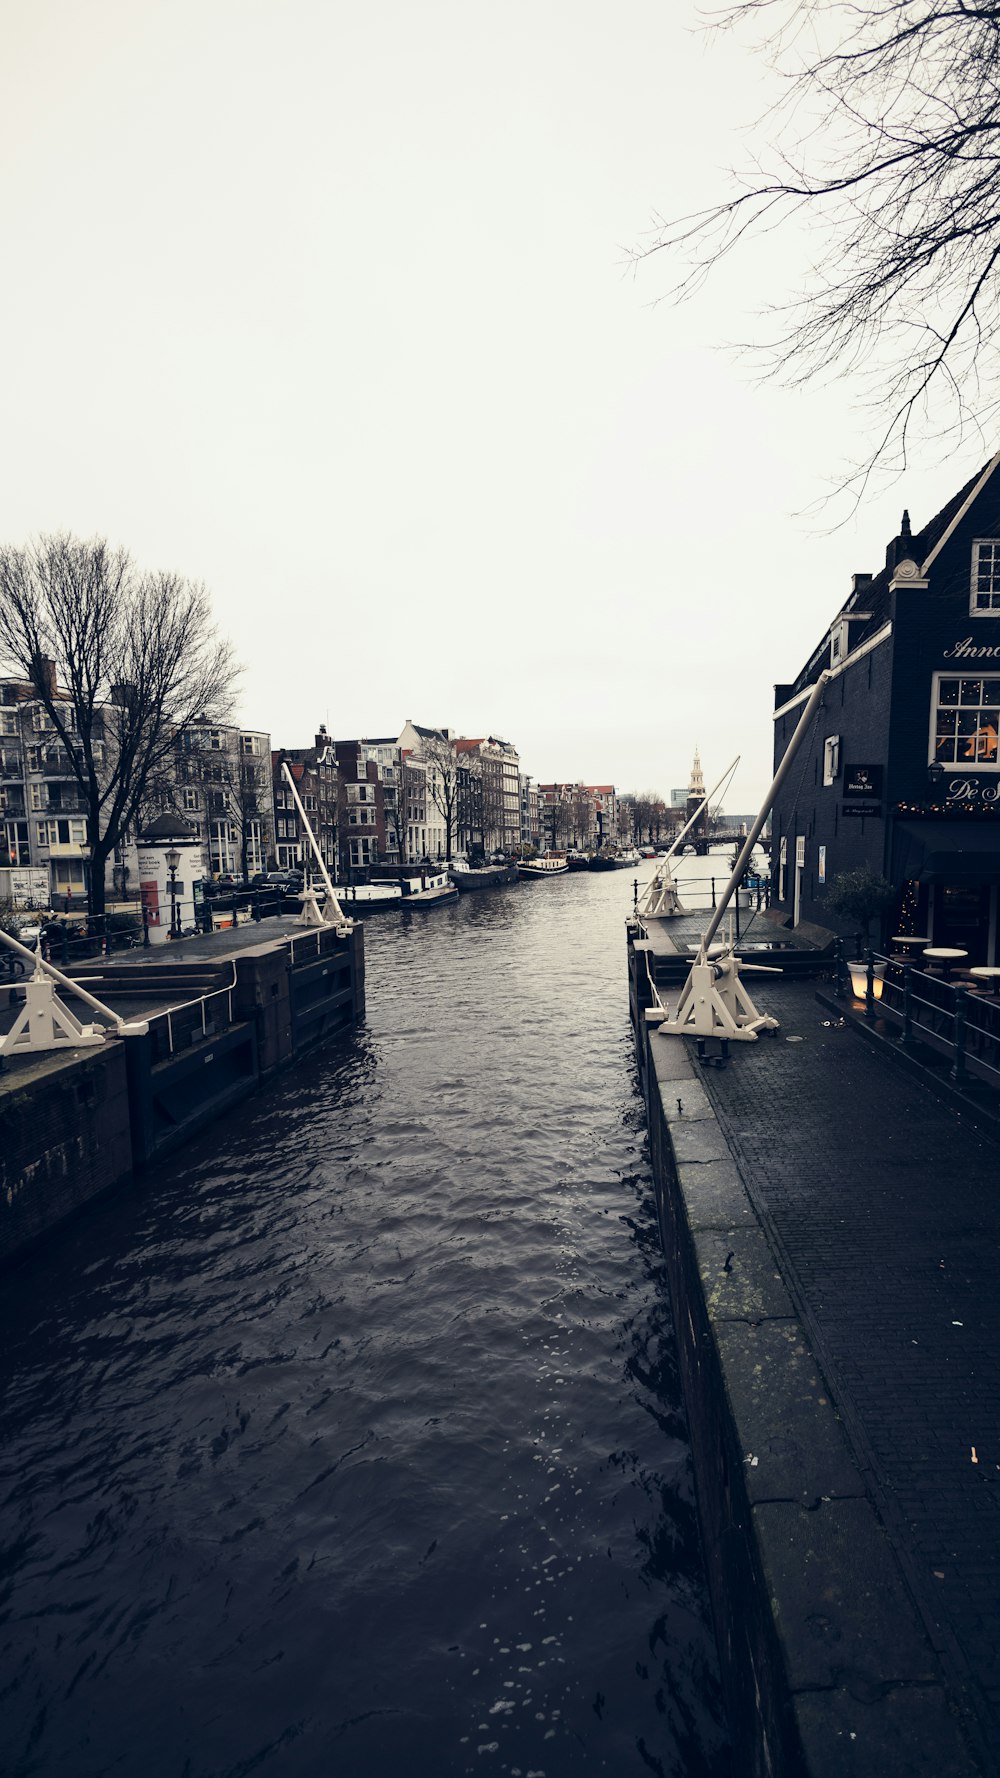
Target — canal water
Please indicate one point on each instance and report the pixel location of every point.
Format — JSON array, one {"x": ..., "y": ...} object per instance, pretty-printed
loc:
[{"x": 351, "y": 1442}]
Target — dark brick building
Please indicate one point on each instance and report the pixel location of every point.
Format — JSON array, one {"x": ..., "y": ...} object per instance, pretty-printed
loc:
[
  {"x": 362, "y": 811},
  {"x": 901, "y": 768}
]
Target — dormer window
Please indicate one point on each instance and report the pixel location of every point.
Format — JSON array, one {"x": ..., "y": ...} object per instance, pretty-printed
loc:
[
  {"x": 838, "y": 643},
  {"x": 985, "y": 594}
]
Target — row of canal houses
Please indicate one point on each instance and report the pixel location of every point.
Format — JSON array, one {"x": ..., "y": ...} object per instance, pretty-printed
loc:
[{"x": 389, "y": 800}]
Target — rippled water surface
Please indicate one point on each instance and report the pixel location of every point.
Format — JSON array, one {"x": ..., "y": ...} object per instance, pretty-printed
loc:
[{"x": 350, "y": 1443}]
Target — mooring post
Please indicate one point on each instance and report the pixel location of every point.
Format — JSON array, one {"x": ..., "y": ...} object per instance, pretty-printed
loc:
[
  {"x": 635, "y": 892},
  {"x": 713, "y": 891}
]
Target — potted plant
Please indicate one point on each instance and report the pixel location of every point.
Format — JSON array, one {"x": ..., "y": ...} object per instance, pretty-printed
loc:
[{"x": 860, "y": 895}]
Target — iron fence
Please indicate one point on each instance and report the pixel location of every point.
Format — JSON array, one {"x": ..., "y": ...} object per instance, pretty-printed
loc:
[{"x": 950, "y": 1017}]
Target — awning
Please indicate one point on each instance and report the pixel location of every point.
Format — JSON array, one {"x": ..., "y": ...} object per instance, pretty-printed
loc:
[{"x": 947, "y": 851}]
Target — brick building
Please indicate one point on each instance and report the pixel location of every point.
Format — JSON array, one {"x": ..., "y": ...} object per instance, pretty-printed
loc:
[{"x": 901, "y": 768}]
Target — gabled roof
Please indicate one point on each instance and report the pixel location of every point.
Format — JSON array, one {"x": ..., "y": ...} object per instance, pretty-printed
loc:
[{"x": 873, "y": 596}]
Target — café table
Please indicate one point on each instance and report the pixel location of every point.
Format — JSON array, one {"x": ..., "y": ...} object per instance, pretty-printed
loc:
[
  {"x": 947, "y": 956},
  {"x": 987, "y": 974},
  {"x": 906, "y": 944}
]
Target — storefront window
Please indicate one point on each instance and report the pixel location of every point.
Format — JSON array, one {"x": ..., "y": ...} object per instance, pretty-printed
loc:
[{"x": 967, "y": 722}]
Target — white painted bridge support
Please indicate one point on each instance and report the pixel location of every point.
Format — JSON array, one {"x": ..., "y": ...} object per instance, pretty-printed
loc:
[
  {"x": 714, "y": 1003},
  {"x": 45, "y": 1022}
]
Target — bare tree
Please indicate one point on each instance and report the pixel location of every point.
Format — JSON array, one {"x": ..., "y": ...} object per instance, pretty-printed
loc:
[
  {"x": 122, "y": 663},
  {"x": 443, "y": 783},
  {"x": 888, "y": 137},
  {"x": 242, "y": 785}
]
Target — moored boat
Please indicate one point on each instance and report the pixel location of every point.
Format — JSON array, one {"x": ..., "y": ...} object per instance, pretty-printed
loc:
[
  {"x": 550, "y": 864},
  {"x": 429, "y": 889}
]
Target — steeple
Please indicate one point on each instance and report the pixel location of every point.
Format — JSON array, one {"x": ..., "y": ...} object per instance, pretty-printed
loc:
[{"x": 696, "y": 787}]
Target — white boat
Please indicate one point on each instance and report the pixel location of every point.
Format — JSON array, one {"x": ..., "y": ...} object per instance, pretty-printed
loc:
[
  {"x": 551, "y": 864},
  {"x": 366, "y": 897},
  {"x": 429, "y": 889}
]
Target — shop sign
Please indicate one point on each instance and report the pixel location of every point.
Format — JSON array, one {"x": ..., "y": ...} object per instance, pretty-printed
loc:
[
  {"x": 863, "y": 781},
  {"x": 968, "y": 650},
  {"x": 874, "y": 810},
  {"x": 822, "y": 864},
  {"x": 970, "y": 790}
]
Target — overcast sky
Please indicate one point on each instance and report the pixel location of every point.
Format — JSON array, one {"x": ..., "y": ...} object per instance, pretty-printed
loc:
[{"x": 325, "y": 305}]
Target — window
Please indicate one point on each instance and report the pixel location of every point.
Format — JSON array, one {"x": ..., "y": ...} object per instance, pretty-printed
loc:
[
  {"x": 62, "y": 833},
  {"x": 35, "y": 794},
  {"x": 985, "y": 592},
  {"x": 309, "y": 803},
  {"x": 362, "y": 852},
  {"x": 190, "y": 798},
  {"x": 966, "y": 721},
  {"x": 831, "y": 758},
  {"x": 8, "y": 723},
  {"x": 215, "y": 740},
  {"x": 17, "y": 843},
  {"x": 248, "y": 743},
  {"x": 34, "y": 759},
  {"x": 782, "y": 866}
]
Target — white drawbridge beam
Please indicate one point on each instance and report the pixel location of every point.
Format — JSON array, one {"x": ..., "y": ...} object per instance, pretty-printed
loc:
[
  {"x": 713, "y": 1001},
  {"x": 661, "y": 900},
  {"x": 45, "y": 1022},
  {"x": 312, "y": 914}
]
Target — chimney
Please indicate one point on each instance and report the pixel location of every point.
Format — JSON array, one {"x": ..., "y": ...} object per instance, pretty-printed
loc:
[
  {"x": 901, "y": 546},
  {"x": 860, "y": 580},
  {"x": 45, "y": 676}
]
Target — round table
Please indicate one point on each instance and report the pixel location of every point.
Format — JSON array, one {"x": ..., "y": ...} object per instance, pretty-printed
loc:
[
  {"x": 946, "y": 955},
  {"x": 984, "y": 972},
  {"x": 907, "y": 938}
]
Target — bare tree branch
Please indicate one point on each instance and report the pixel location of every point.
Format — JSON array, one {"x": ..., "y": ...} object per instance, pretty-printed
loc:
[{"x": 887, "y": 140}]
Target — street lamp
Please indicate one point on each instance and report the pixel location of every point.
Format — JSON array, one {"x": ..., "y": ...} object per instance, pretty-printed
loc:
[{"x": 173, "y": 859}]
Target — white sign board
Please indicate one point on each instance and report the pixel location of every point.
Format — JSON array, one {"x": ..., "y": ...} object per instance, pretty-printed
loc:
[{"x": 27, "y": 888}]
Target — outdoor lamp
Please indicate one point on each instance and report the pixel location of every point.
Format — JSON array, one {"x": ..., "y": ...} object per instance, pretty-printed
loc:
[
  {"x": 859, "y": 979},
  {"x": 172, "y": 858},
  {"x": 935, "y": 773}
]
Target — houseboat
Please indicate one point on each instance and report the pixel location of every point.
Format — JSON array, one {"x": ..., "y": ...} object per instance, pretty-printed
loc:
[{"x": 550, "y": 864}]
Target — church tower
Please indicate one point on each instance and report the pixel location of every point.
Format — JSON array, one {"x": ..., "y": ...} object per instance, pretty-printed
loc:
[{"x": 698, "y": 837}]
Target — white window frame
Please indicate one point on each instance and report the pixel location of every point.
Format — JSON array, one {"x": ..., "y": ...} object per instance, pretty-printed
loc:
[
  {"x": 190, "y": 797},
  {"x": 991, "y": 572},
  {"x": 831, "y": 759},
  {"x": 961, "y": 767}
]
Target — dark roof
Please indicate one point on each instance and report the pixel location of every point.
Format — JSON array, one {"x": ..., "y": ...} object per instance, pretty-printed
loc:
[
  {"x": 873, "y": 596},
  {"x": 169, "y": 827},
  {"x": 428, "y": 734}
]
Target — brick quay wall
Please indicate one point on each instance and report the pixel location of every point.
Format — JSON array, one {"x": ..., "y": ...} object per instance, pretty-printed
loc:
[{"x": 76, "y": 1123}]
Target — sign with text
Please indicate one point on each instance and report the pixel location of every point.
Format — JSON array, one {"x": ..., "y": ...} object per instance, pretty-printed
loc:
[
  {"x": 874, "y": 810},
  {"x": 863, "y": 781},
  {"x": 971, "y": 790}
]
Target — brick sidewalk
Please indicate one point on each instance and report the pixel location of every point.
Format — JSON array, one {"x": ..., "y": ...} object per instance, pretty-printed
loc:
[{"x": 883, "y": 1205}]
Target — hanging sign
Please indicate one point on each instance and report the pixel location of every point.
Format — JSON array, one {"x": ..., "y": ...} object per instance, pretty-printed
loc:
[{"x": 863, "y": 780}]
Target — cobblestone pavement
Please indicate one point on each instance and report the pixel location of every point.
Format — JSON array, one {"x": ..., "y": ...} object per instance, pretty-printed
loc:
[{"x": 884, "y": 1206}]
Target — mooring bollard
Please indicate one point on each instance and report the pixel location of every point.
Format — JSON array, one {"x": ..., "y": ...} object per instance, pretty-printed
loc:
[
  {"x": 635, "y": 892},
  {"x": 713, "y": 891}
]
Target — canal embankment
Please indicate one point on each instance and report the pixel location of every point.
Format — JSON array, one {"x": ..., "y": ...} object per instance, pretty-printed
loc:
[
  {"x": 224, "y": 1012},
  {"x": 830, "y": 1230}
]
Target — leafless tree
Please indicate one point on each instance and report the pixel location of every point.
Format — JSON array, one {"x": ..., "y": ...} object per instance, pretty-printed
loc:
[
  {"x": 243, "y": 784},
  {"x": 122, "y": 662},
  {"x": 888, "y": 138},
  {"x": 443, "y": 783}
]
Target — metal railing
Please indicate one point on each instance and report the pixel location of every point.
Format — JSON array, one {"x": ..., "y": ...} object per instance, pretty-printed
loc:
[
  {"x": 948, "y": 1017},
  {"x": 186, "y": 1023}
]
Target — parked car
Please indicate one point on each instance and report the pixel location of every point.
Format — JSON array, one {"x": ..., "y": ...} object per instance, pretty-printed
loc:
[
  {"x": 285, "y": 882},
  {"x": 226, "y": 885}
]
